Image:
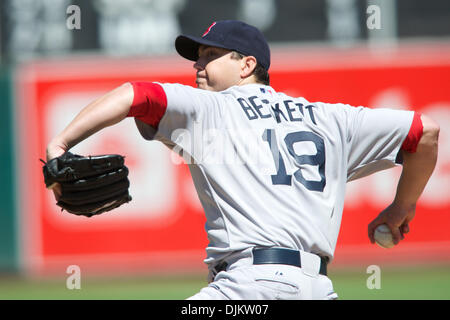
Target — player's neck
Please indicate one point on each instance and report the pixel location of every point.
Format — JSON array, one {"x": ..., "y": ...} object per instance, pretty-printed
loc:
[{"x": 248, "y": 80}]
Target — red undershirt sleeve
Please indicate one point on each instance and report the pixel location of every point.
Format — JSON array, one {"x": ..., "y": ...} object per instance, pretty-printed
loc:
[
  {"x": 415, "y": 133},
  {"x": 149, "y": 103}
]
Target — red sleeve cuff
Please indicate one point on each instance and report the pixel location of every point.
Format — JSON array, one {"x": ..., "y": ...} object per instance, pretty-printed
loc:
[
  {"x": 149, "y": 103},
  {"x": 414, "y": 134}
]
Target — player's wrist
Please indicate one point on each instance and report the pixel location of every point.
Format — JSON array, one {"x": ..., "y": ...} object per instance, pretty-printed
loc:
[
  {"x": 404, "y": 204},
  {"x": 55, "y": 149}
]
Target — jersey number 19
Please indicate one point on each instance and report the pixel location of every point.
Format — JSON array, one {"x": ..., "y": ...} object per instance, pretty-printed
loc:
[{"x": 318, "y": 159}]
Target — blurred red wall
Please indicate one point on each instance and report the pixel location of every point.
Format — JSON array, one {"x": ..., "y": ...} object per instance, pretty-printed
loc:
[{"x": 162, "y": 228}]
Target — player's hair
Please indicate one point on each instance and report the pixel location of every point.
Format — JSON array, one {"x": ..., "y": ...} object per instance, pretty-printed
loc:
[{"x": 261, "y": 74}]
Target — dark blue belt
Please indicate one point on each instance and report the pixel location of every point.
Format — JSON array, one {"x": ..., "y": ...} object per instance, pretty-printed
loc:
[
  {"x": 276, "y": 256},
  {"x": 284, "y": 256}
]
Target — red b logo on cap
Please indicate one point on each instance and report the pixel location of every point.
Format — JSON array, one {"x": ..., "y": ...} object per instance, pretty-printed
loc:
[{"x": 209, "y": 29}]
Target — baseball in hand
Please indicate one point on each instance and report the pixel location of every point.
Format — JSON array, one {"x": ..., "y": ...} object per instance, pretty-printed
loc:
[{"x": 383, "y": 236}]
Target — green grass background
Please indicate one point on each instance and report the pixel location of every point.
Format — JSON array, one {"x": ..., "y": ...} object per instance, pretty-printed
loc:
[{"x": 411, "y": 283}]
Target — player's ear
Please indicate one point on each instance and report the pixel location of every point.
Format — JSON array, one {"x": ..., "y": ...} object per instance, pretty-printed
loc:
[{"x": 248, "y": 65}]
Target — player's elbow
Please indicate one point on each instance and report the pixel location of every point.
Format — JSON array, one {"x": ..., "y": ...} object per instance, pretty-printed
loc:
[
  {"x": 126, "y": 86},
  {"x": 430, "y": 134}
]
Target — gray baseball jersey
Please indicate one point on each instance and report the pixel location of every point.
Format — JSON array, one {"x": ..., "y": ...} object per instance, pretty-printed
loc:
[{"x": 270, "y": 169}]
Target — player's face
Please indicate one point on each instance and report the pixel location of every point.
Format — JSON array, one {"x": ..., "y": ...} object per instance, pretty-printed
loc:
[{"x": 216, "y": 69}]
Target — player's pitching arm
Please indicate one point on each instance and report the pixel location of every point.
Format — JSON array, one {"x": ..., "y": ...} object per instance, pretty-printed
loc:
[
  {"x": 105, "y": 111},
  {"x": 417, "y": 169}
]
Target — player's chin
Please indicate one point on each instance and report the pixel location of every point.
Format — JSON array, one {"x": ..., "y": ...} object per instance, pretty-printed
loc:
[
  {"x": 204, "y": 86},
  {"x": 200, "y": 84}
]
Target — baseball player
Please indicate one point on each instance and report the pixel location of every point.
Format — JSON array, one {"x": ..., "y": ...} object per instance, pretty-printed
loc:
[{"x": 270, "y": 170}]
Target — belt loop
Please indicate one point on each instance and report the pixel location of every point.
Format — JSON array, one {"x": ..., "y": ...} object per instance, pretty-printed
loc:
[{"x": 311, "y": 263}]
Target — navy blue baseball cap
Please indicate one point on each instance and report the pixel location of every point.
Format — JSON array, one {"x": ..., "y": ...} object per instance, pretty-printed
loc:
[{"x": 228, "y": 34}]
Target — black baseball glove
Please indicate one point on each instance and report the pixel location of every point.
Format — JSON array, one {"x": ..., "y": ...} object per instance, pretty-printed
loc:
[{"x": 89, "y": 185}]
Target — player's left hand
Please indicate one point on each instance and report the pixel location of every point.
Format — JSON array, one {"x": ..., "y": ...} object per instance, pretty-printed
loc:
[
  {"x": 397, "y": 217},
  {"x": 54, "y": 151}
]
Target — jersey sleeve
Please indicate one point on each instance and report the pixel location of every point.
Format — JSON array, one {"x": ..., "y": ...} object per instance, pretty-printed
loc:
[
  {"x": 175, "y": 114},
  {"x": 375, "y": 137}
]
